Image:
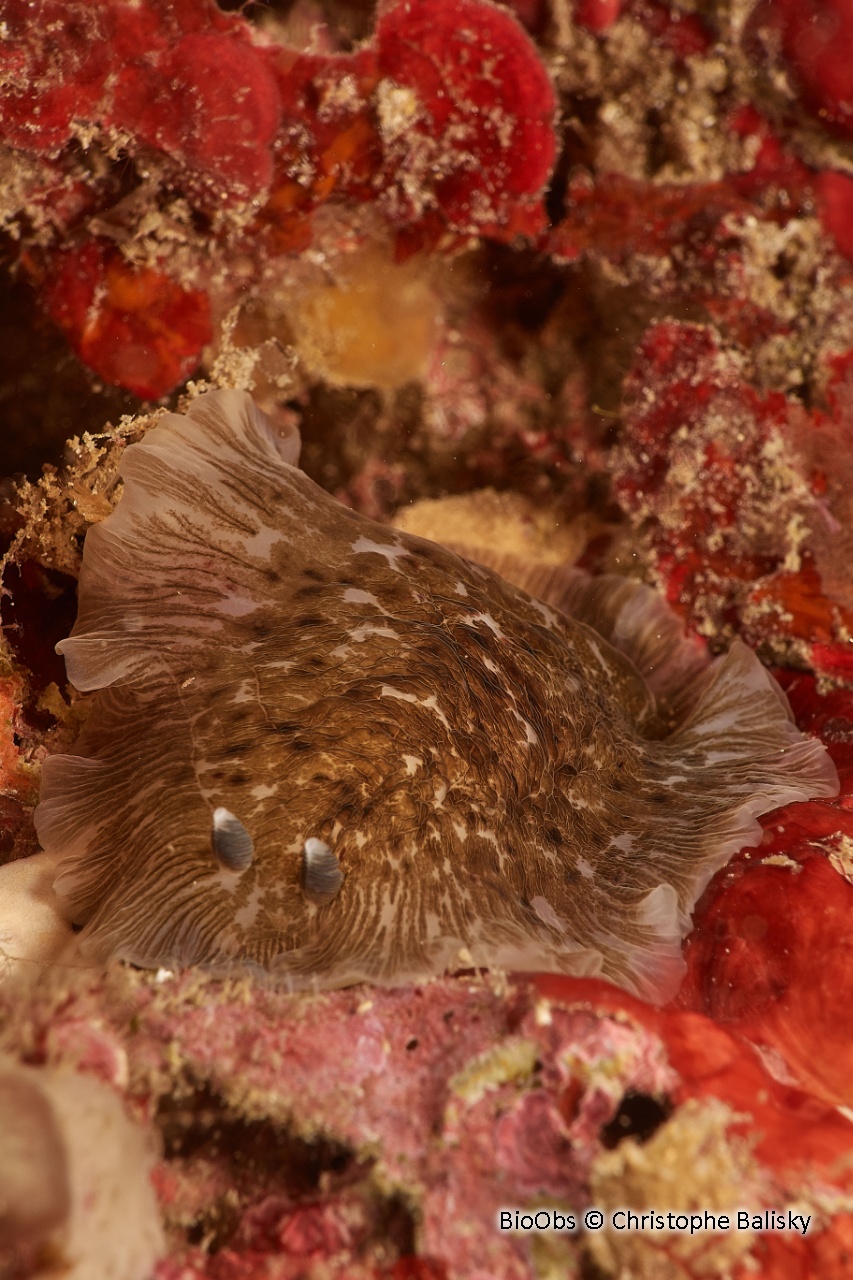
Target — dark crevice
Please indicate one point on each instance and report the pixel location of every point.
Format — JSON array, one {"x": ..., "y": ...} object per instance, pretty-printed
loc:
[
  {"x": 38, "y": 607},
  {"x": 266, "y": 1162},
  {"x": 638, "y": 1116}
]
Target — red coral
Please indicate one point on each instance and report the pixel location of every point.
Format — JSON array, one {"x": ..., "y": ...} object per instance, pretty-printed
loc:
[
  {"x": 480, "y": 134},
  {"x": 623, "y": 217},
  {"x": 701, "y": 237},
  {"x": 53, "y": 70},
  {"x": 835, "y": 202},
  {"x": 211, "y": 103},
  {"x": 770, "y": 956},
  {"x": 774, "y": 166},
  {"x": 444, "y": 120},
  {"x": 703, "y": 423},
  {"x": 683, "y": 34},
  {"x": 737, "y": 540},
  {"x": 597, "y": 15},
  {"x": 182, "y": 76},
  {"x": 328, "y": 144},
  {"x": 625, "y": 222},
  {"x": 816, "y": 38},
  {"x": 132, "y": 325}
]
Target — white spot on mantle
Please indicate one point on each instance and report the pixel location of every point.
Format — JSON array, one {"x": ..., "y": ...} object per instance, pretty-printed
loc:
[
  {"x": 550, "y": 617},
  {"x": 354, "y": 595},
  {"x": 430, "y": 703},
  {"x": 390, "y": 550},
  {"x": 360, "y": 634},
  {"x": 489, "y": 622},
  {"x": 246, "y": 692},
  {"x": 245, "y": 916},
  {"x": 530, "y": 734},
  {"x": 263, "y": 791},
  {"x": 236, "y": 606},
  {"x": 391, "y": 691},
  {"x": 546, "y": 912}
]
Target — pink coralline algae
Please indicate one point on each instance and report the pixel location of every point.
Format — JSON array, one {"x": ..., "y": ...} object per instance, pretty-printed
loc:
[{"x": 379, "y": 1134}]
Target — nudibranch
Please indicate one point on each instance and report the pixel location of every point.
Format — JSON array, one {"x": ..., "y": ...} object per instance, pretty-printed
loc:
[{"x": 336, "y": 752}]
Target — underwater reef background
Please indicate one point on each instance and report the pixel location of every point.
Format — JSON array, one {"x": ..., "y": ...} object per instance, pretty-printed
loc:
[{"x": 573, "y": 278}]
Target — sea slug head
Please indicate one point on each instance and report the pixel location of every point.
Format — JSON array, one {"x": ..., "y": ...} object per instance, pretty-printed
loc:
[{"x": 331, "y": 750}]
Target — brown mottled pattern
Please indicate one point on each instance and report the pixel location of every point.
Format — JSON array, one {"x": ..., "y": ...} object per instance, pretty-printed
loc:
[{"x": 491, "y": 774}]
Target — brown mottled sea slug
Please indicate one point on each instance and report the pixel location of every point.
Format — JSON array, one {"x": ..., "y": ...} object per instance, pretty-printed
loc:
[{"x": 334, "y": 751}]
